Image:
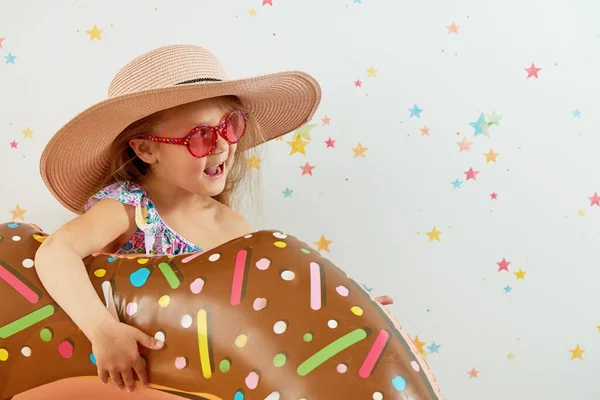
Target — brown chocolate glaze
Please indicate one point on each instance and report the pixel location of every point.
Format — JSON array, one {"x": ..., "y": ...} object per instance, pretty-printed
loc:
[{"x": 260, "y": 317}]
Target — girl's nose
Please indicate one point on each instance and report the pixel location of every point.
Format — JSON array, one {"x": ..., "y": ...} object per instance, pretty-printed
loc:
[{"x": 221, "y": 145}]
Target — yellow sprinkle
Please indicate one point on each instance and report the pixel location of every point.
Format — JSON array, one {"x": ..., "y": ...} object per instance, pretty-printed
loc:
[
  {"x": 241, "y": 341},
  {"x": 356, "y": 310},
  {"x": 39, "y": 238},
  {"x": 281, "y": 245},
  {"x": 3, "y": 354},
  {"x": 100, "y": 272},
  {"x": 164, "y": 301},
  {"x": 142, "y": 261}
]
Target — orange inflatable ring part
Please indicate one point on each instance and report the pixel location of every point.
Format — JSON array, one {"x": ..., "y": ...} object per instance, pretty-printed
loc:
[{"x": 260, "y": 317}]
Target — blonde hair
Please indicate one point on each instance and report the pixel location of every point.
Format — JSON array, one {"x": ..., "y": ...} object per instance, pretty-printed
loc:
[{"x": 125, "y": 165}]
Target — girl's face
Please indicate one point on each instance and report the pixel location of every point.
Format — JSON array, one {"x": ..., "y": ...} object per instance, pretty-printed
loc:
[{"x": 173, "y": 165}]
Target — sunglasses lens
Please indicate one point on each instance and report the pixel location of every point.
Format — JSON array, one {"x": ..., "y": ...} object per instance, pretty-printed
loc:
[
  {"x": 235, "y": 127},
  {"x": 202, "y": 141}
]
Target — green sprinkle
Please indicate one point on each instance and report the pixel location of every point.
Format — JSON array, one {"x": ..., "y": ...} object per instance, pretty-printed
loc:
[
  {"x": 46, "y": 335},
  {"x": 305, "y": 251},
  {"x": 279, "y": 360},
  {"x": 308, "y": 337},
  {"x": 331, "y": 350},
  {"x": 26, "y": 321},
  {"x": 167, "y": 271},
  {"x": 225, "y": 365}
]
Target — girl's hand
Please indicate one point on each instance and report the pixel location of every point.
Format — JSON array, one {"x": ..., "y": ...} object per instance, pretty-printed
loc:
[
  {"x": 115, "y": 346},
  {"x": 384, "y": 300}
]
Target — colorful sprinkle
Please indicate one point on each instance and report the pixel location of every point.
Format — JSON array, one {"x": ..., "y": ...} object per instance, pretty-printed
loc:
[
  {"x": 112, "y": 259},
  {"x": 65, "y": 349},
  {"x": 191, "y": 257},
  {"x": 279, "y": 327},
  {"x": 259, "y": 303},
  {"x": 100, "y": 272},
  {"x": 203, "y": 343},
  {"x": 315, "y": 286},
  {"x": 308, "y": 337},
  {"x": 377, "y": 396},
  {"x": 225, "y": 365},
  {"x": 26, "y": 351},
  {"x": 305, "y": 251},
  {"x": 169, "y": 275},
  {"x": 27, "y": 263},
  {"x": 39, "y": 238},
  {"x": 239, "y": 277},
  {"x": 252, "y": 380},
  {"x": 164, "y": 301},
  {"x": 280, "y": 244},
  {"x": 356, "y": 310},
  {"x": 273, "y": 396},
  {"x": 287, "y": 275},
  {"x": 399, "y": 383},
  {"x": 374, "y": 354},
  {"x": 180, "y": 362},
  {"x": 197, "y": 286},
  {"x": 3, "y": 354},
  {"x": 331, "y": 350},
  {"x": 131, "y": 308},
  {"x": 332, "y": 323},
  {"x": 342, "y": 291},
  {"x": 160, "y": 335},
  {"x": 16, "y": 238},
  {"x": 139, "y": 277},
  {"x": 142, "y": 261},
  {"x": 341, "y": 368},
  {"x": 92, "y": 358},
  {"x": 12, "y": 226},
  {"x": 214, "y": 257},
  {"x": 26, "y": 321},
  {"x": 239, "y": 395},
  {"x": 241, "y": 341},
  {"x": 263, "y": 264},
  {"x": 46, "y": 334},
  {"x": 186, "y": 321},
  {"x": 279, "y": 360},
  {"x": 415, "y": 365},
  {"x": 19, "y": 284},
  {"x": 279, "y": 235}
]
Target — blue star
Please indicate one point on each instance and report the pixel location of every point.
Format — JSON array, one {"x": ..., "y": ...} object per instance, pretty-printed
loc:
[
  {"x": 415, "y": 111},
  {"x": 287, "y": 193},
  {"x": 357, "y": 2},
  {"x": 433, "y": 348},
  {"x": 577, "y": 113},
  {"x": 481, "y": 126},
  {"x": 368, "y": 289},
  {"x": 507, "y": 289},
  {"x": 456, "y": 183},
  {"x": 10, "y": 59}
]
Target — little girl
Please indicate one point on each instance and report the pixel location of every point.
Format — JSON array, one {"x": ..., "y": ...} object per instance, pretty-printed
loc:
[{"x": 153, "y": 170}]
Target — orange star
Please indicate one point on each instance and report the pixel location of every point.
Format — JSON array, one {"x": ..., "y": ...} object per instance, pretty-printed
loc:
[
  {"x": 359, "y": 151},
  {"x": 425, "y": 131},
  {"x": 418, "y": 344},
  {"x": 323, "y": 244},
  {"x": 490, "y": 156},
  {"x": 18, "y": 213},
  {"x": 326, "y": 120},
  {"x": 453, "y": 28},
  {"x": 473, "y": 373}
]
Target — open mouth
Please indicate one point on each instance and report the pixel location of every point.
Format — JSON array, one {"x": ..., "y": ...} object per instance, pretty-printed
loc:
[{"x": 215, "y": 171}]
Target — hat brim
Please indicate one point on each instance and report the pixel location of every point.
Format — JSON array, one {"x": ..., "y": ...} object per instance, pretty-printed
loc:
[{"x": 76, "y": 158}]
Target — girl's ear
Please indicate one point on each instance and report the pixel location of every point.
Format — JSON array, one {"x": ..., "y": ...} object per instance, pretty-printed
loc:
[{"x": 144, "y": 149}]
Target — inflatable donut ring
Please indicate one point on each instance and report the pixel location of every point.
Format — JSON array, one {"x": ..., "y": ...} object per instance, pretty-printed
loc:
[{"x": 260, "y": 317}]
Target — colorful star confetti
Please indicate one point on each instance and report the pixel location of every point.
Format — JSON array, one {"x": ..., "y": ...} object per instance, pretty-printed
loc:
[
  {"x": 287, "y": 192},
  {"x": 576, "y": 113},
  {"x": 480, "y": 126},
  {"x": 507, "y": 289},
  {"x": 434, "y": 234},
  {"x": 95, "y": 33},
  {"x": 424, "y": 131},
  {"x": 323, "y": 244},
  {"x": 418, "y": 344},
  {"x": 267, "y": 2},
  {"x": 520, "y": 274},
  {"x": 453, "y": 28},
  {"x": 577, "y": 352},
  {"x": 503, "y": 265},
  {"x": 434, "y": 348},
  {"x": 494, "y": 196},
  {"x": 307, "y": 169},
  {"x": 473, "y": 373},
  {"x": 252, "y": 12},
  {"x": 510, "y": 356},
  {"x": 13, "y": 144},
  {"x": 297, "y": 145},
  {"x": 254, "y": 162},
  {"x": 471, "y": 174},
  {"x": 27, "y": 133},
  {"x": 304, "y": 131},
  {"x": 330, "y": 143},
  {"x": 456, "y": 183},
  {"x": 415, "y": 111},
  {"x": 359, "y": 151},
  {"x": 357, "y": 83},
  {"x": 371, "y": 72},
  {"x": 326, "y": 120},
  {"x": 532, "y": 71},
  {"x": 595, "y": 200},
  {"x": 18, "y": 213},
  {"x": 493, "y": 118},
  {"x": 10, "y": 59},
  {"x": 490, "y": 156},
  {"x": 465, "y": 145}
]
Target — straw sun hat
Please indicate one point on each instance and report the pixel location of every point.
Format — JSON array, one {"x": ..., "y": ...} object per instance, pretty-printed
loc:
[{"x": 76, "y": 158}]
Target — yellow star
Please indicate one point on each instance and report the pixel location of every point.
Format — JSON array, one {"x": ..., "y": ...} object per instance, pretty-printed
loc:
[
  {"x": 598, "y": 327},
  {"x": 511, "y": 356},
  {"x": 491, "y": 156},
  {"x": 95, "y": 33},
  {"x": 252, "y": 12},
  {"x": 581, "y": 213},
  {"x": 577, "y": 352},
  {"x": 434, "y": 235},
  {"x": 28, "y": 133},
  {"x": 493, "y": 118},
  {"x": 297, "y": 145},
  {"x": 372, "y": 72},
  {"x": 359, "y": 151},
  {"x": 520, "y": 274},
  {"x": 323, "y": 244},
  {"x": 418, "y": 344},
  {"x": 254, "y": 162},
  {"x": 304, "y": 131},
  {"x": 18, "y": 213}
]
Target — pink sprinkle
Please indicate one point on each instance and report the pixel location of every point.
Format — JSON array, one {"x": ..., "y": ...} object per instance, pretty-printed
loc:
[
  {"x": 342, "y": 291},
  {"x": 131, "y": 309},
  {"x": 415, "y": 366},
  {"x": 65, "y": 349},
  {"x": 180, "y": 363},
  {"x": 341, "y": 368},
  {"x": 263, "y": 264},
  {"x": 259, "y": 303},
  {"x": 197, "y": 285},
  {"x": 252, "y": 380}
]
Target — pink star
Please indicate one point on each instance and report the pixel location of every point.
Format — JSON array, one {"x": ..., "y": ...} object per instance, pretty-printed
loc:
[
  {"x": 13, "y": 144},
  {"x": 471, "y": 174},
  {"x": 424, "y": 131},
  {"x": 503, "y": 265},
  {"x": 330, "y": 143},
  {"x": 357, "y": 83},
  {"x": 307, "y": 169},
  {"x": 269, "y": 2},
  {"x": 473, "y": 373},
  {"x": 1, "y": 40},
  {"x": 595, "y": 200},
  {"x": 326, "y": 120},
  {"x": 532, "y": 71},
  {"x": 453, "y": 28},
  {"x": 494, "y": 196}
]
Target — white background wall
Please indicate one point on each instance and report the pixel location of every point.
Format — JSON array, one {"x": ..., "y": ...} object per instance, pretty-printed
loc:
[{"x": 376, "y": 210}]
